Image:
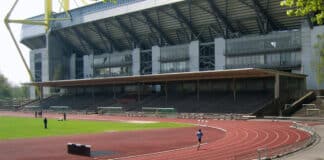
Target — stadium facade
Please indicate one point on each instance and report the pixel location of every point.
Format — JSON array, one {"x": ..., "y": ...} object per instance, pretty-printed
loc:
[{"x": 135, "y": 38}]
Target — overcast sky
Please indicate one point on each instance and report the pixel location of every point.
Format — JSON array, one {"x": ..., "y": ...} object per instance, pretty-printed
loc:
[{"x": 11, "y": 64}]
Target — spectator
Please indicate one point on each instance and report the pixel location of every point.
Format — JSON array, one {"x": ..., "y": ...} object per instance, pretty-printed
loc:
[{"x": 45, "y": 123}]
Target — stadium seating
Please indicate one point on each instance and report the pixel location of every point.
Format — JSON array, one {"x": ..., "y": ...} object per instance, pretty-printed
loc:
[{"x": 214, "y": 102}]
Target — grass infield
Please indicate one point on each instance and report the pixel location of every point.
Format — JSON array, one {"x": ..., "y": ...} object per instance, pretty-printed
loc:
[{"x": 18, "y": 127}]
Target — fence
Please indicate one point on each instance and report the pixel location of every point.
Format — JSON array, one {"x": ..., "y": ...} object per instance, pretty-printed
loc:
[{"x": 276, "y": 152}]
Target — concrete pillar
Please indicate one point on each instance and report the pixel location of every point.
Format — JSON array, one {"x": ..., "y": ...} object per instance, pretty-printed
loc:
[
  {"x": 32, "y": 94},
  {"x": 136, "y": 64},
  {"x": 156, "y": 51},
  {"x": 220, "y": 46},
  {"x": 194, "y": 56},
  {"x": 88, "y": 66},
  {"x": 72, "y": 66},
  {"x": 45, "y": 73},
  {"x": 277, "y": 86},
  {"x": 306, "y": 51},
  {"x": 234, "y": 89}
]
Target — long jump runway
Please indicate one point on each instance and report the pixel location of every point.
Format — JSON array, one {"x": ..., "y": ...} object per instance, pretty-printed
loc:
[{"x": 225, "y": 140}]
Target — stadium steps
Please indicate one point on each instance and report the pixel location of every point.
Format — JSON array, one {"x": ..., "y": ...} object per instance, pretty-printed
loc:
[
  {"x": 318, "y": 102},
  {"x": 297, "y": 106}
]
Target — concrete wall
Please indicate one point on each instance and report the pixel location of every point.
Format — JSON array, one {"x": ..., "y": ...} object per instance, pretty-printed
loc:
[
  {"x": 59, "y": 60},
  {"x": 308, "y": 57},
  {"x": 194, "y": 56},
  {"x": 136, "y": 59},
  {"x": 219, "y": 53},
  {"x": 156, "y": 60},
  {"x": 45, "y": 70},
  {"x": 87, "y": 66}
]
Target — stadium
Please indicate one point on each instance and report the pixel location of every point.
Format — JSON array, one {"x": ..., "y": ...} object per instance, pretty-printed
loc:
[{"x": 183, "y": 65}]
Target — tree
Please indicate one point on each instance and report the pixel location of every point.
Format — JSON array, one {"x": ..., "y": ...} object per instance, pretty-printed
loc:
[
  {"x": 112, "y": 1},
  {"x": 304, "y": 8},
  {"x": 5, "y": 88},
  {"x": 8, "y": 91}
]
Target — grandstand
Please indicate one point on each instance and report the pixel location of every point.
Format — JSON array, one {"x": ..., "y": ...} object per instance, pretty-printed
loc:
[
  {"x": 202, "y": 56},
  {"x": 225, "y": 91}
]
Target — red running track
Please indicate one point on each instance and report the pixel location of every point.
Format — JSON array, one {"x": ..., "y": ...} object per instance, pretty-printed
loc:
[{"x": 240, "y": 138}]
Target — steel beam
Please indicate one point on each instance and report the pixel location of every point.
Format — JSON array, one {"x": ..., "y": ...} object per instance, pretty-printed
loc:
[
  {"x": 108, "y": 49},
  {"x": 92, "y": 45},
  {"x": 263, "y": 16},
  {"x": 107, "y": 35},
  {"x": 126, "y": 29},
  {"x": 219, "y": 16},
  {"x": 67, "y": 44},
  {"x": 151, "y": 23},
  {"x": 186, "y": 22}
]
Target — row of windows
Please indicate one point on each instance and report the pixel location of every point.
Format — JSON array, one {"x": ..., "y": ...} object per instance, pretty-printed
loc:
[
  {"x": 114, "y": 71},
  {"x": 168, "y": 67},
  {"x": 271, "y": 59}
]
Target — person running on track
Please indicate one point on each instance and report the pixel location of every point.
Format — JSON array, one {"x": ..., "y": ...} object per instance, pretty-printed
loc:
[{"x": 199, "y": 136}]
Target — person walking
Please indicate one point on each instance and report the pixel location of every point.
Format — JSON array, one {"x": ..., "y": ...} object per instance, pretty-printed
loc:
[
  {"x": 64, "y": 116},
  {"x": 45, "y": 123},
  {"x": 199, "y": 136}
]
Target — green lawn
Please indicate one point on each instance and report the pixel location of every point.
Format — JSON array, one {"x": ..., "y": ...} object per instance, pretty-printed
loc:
[{"x": 17, "y": 127}]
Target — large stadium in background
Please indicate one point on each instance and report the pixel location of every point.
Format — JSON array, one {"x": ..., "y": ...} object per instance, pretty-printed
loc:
[{"x": 192, "y": 55}]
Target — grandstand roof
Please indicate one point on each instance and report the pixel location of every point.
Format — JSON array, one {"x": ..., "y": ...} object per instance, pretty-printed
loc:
[
  {"x": 102, "y": 28},
  {"x": 158, "y": 78}
]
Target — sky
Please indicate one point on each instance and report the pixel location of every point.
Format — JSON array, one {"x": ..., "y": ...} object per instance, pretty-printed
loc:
[{"x": 11, "y": 64}]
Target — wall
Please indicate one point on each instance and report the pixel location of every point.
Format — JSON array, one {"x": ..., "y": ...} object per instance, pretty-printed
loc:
[
  {"x": 309, "y": 39},
  {"x": 87, "y": 66},
  {"x": 136, "y": 60},
  {"x": 219, "y": 53},
  {"x": 194, "y": 56},
  {"x": 156, "y": 59}
]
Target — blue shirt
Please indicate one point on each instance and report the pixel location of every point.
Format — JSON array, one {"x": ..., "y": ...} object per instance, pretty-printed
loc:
[{"x": 199, "y": 134}]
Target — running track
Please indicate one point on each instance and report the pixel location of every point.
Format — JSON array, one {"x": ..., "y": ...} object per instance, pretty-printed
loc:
[{"x": 240, "y": 138}]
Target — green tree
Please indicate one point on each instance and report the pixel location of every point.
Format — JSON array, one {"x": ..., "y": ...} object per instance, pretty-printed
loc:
[
  {"x": 5, "y": 88},
  {"x": 8, "y": 91},
  {"x": 305, "y": 7}
]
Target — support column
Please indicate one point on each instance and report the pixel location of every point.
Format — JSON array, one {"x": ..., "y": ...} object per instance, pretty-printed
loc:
[
  {"x": 156, "y": 60},
  {"x": 220, "y": 48},
  {"x": 41, "y": 96},
  {"x": 45, "y": 72},
  {"x": 198, "y": 94},
  {"x": 166, "y": 93},
  {"x": 138, "y": 92},
  {"x": 136, "y": 64},
  {"x": 276, "y": 86},
  {"x": 194, "y": 56},
  {"x": 32, "y": 94},
  {"x": 88, "y": 66},
  {"x": 234, "y": 89},
  {"x": 72, "y": 66}
]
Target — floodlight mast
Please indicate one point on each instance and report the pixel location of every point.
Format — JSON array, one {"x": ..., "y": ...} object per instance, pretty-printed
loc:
[
  {"x": 65, "y": 4},
  {"x": 45, "y": 22}
]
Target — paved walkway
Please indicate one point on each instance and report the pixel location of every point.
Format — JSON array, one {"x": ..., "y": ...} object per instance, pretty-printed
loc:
[{"x": 315, "y": 152}]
